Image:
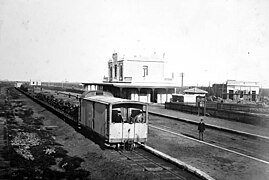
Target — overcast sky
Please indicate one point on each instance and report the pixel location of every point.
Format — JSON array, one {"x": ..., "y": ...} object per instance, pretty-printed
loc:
[{"x": 210, "y": 41}]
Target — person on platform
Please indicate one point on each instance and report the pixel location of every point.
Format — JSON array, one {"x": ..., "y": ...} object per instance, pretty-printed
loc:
[{"x": 201, "y": 129}]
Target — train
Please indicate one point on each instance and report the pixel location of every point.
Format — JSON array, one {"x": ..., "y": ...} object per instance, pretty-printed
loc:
[{"x": 117, "y": 122}]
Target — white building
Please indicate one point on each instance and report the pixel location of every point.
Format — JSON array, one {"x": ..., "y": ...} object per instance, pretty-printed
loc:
[
  {"x": 192, "y": 95},
  {"x": 18, "y": 84},
  {"x": 137, "y": 78},
  {"x": 35, "y": 83},
  {"x": 136, "y": 69},
  {"x": 242, "y": 90}
]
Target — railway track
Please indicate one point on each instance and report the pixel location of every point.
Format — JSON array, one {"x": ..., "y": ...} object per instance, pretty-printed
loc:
[
  {"x": 145, "y": 160},
  {"x": 237, "y": 155},
  {"x": 243, "y": 146},
  {"x": 142, "y": 159}
]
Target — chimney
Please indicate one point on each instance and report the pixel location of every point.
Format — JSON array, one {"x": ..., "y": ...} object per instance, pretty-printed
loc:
[{"x": 115, "y": 57}]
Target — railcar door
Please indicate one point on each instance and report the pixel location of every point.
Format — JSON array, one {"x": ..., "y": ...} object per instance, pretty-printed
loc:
[
  {"x": 100, "y": 116},
  {"x": 90, "y": 115},
  {"x": 128, "y": 126},
  {"x": 116, "y": 125},
  {"x": 139, "y": 119},
  {"x": 135, "y": 126},
  {"x": 129, "y": 122}
]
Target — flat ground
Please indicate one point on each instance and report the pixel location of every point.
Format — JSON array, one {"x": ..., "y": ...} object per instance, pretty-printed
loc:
[
  {"x": 45, "y": 147},
  {"x": 218, "y": 163}
]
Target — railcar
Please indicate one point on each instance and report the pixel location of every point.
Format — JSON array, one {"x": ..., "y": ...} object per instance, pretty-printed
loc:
[{"x": 117, "y": 121}]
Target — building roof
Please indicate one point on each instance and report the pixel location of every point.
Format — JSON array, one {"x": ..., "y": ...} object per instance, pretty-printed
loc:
[
  {"x": 195, "y": 91},
  {"x": 146, "y": 85},
  {"x": 139, "y": 85},
  {"x": 242, "y": 83},
  {"x": 146, "y": 57},
  {"x": 113, "y": 100},
  {"x": 95, "y": 93}
]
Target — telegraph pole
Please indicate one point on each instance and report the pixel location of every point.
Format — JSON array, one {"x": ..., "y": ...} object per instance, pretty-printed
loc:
[{"x": 182, "y": 76}]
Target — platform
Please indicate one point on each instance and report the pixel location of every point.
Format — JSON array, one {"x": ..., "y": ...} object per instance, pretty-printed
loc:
[{"x": 211, "y": 121}]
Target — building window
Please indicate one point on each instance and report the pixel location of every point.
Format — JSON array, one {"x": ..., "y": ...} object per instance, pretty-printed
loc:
[
  {"x": 231, "y": 94},
  {"x": 253, "y": 95},
  {"x": 115, "y": 68},
  {"x": 110, "y": 72},
  {"x": 241, "y": 94},
  {"x": 145, "y": 71},
  {"x": 121, "y": 72}
]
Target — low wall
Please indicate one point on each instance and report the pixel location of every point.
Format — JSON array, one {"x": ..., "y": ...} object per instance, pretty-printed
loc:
[{"x": 249, "y": 118}]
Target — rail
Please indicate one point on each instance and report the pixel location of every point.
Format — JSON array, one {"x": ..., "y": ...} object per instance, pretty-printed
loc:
[{"x": 192, "y": 170}]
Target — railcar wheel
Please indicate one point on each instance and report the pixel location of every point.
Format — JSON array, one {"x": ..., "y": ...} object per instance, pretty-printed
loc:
[
  {"x": 132, "y": 146},
  {"x": 117, "y": 146}
]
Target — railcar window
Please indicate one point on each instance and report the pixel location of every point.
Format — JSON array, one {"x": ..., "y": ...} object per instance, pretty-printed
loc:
[
  {"x": 116, "y": 116},
  {"x": 128, "y": 114},
  {"x": 137, "y": 116}
]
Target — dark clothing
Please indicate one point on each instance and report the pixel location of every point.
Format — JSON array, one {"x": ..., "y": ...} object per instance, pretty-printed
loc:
[{"x": 201, "y": 127}]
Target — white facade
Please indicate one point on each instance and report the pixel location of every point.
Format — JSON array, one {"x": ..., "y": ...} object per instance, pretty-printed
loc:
[
  {"x": 137, "y": 78},
  {"x": 187, "y": 98},
  {"x": 242, "y": 90},
  {"x": 35, "y": 83},
  {"x": 191, "y": 98},
  {"x": 246, "y": 87},
  {"x": 143, "y": 71},
  {"x": 18, "y": 84},
  {"x": 93, "y": 87},
  {"x": 136, "y": 69}
]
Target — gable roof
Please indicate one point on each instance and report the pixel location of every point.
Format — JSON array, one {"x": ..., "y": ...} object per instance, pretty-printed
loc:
[{"x": 195, "y": 91}]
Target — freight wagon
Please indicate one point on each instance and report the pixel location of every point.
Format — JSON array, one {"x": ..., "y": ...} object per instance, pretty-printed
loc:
[{"x": 117, "y": 121}]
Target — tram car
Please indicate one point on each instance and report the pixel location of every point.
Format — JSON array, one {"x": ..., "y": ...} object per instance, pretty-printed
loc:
[{"x": 115, "y": 120}]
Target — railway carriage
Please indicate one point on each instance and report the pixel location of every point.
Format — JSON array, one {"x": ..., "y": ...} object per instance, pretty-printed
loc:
[{"x": 117, "y": 121}]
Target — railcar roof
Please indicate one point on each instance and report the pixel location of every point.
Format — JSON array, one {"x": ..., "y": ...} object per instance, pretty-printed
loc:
[{"x": 112, "y": 100}]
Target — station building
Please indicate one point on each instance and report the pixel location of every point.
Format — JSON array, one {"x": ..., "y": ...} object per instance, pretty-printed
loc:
[
  {"x": 18, "y": 84},
  {"x": 192, "y": 95},
  {"x": 35, "y": 83},
  {"x": 137, "y": 78},
  {"x": 238, "y": 90}
]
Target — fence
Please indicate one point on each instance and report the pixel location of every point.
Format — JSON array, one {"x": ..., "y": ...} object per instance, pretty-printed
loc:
[
  {"x": 251, "y": 108},
  {"x": 212, "y": 110}
]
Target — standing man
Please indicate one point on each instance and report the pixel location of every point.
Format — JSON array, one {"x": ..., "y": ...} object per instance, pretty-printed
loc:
[{"x": 201, "y": 129}]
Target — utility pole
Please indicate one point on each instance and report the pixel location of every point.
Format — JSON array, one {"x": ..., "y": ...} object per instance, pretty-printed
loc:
[
  {"x": 222, "y": 90},
  {"x": 182, "y": 76}
]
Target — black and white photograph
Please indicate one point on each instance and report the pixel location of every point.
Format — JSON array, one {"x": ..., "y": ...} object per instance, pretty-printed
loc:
[{"x": 134, "y": 89}]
